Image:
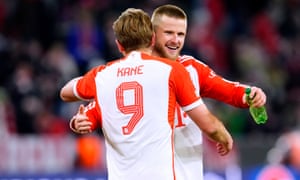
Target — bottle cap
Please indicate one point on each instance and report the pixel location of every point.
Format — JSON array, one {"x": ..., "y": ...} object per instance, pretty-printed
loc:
[{"x": 248, "y": 90}]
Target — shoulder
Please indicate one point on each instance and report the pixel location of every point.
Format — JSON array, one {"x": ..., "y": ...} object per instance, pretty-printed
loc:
[
  {"x": 187, "y": 59},
  {"x": 161, "y": 60}
]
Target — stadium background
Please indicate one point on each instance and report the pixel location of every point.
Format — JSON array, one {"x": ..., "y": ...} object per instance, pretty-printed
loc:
[{"x": 45, "y": 43}]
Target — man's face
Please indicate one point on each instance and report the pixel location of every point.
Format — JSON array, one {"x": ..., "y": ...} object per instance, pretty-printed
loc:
[{"x": 169, "y": 37}]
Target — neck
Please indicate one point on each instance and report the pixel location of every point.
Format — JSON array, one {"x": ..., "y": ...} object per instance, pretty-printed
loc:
[
  {"x": 142, "y": 50},
  {"x": 154, "y": 53}
]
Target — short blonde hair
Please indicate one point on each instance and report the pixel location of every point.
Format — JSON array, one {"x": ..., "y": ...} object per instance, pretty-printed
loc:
[
  {"x": 167, "y": 10},
  {"x": 133, "y": 29}
]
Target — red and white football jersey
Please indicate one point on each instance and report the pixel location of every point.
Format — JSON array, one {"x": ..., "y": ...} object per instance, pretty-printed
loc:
[
  {"x": 135, "y": 100},
  {"x": 188, "y": 137}
]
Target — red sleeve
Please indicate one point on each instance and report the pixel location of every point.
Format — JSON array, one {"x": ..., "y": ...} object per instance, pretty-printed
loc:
[
  {"x": 184, "y": 88},
  {"x": 85, "y": 86},
  {"x": 94, "y": 115},
  {"x": 215, "y": 87}
]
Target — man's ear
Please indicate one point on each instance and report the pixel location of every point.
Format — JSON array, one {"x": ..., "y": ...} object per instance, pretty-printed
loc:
[
  {"x": 120, "y": 47},
  {"x": 153, "y": 40}
]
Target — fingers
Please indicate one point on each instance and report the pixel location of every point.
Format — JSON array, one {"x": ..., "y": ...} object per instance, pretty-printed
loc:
[
  {"x": 81, "y": 121},
  {"x": 82, "y": 124},
  {"x": 81, "y": 116},
  {"x": 223, "y": 149},
  {"x": 258, "y": 97},
  {"x": 84, "y": 131},
  {"x": 81, "y": 109}
]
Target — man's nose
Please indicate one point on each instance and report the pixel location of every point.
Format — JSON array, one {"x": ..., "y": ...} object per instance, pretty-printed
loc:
[{"x": 175, "y": 38}]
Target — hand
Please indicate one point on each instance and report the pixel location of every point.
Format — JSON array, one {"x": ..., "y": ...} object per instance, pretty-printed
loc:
[
  {"x": 224, "y": 149},
  {"x": 258, "y": 97},
  {"x": 81, "y": 123}
]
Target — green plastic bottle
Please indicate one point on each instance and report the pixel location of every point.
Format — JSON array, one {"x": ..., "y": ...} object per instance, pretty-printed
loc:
[{"x": 259, "y": 114}]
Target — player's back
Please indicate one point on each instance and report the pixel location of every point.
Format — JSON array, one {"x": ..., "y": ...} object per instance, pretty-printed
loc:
[{"x": 137, "y": 108}]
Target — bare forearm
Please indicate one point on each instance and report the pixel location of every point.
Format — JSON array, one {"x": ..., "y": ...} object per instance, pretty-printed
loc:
[
  {"x": 66, "y": 93},
  {"x": 220, "y": 134},
  {"x": 212, "y": 127}
]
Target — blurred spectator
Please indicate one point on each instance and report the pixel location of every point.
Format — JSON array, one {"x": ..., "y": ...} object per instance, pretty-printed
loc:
[
  {"x": 85, "y": 39},
  {"x": 31, "y": 19},
  {"x": 47, "y": 123},
  {"x": 286, "y": 151},
  {"x": 7, "y": 116},
  {"x": 204, "y": 34},
  {"x": 24, "y": 97},
  {"x": 265, "y": 31},
  {"x": 274, "y": 172},
  {"x": 58, "y": 58}
]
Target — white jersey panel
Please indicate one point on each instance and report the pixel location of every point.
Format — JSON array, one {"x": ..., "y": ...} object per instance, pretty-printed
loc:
[
  {"x": 146, "y": 108},
  {"x": 188, "y": 139}
]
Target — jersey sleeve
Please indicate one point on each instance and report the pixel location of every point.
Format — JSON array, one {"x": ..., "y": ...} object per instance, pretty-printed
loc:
[
  {"x": 185, "y": 91},
  {"x": 216, "y": 87},
  {"x": 94, "y": 115},
  {"x": 85, "y": 87}
]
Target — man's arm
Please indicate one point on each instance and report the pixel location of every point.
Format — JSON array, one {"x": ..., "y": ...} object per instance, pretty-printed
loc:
[
  {"x": 217, "y": 87},
  {"x": 66, "y": 92},
  {"x": 212, "y": 127}
]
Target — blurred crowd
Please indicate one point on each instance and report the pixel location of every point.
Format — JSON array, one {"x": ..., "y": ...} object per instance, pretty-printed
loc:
[{"x": 44, "y": 43}]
